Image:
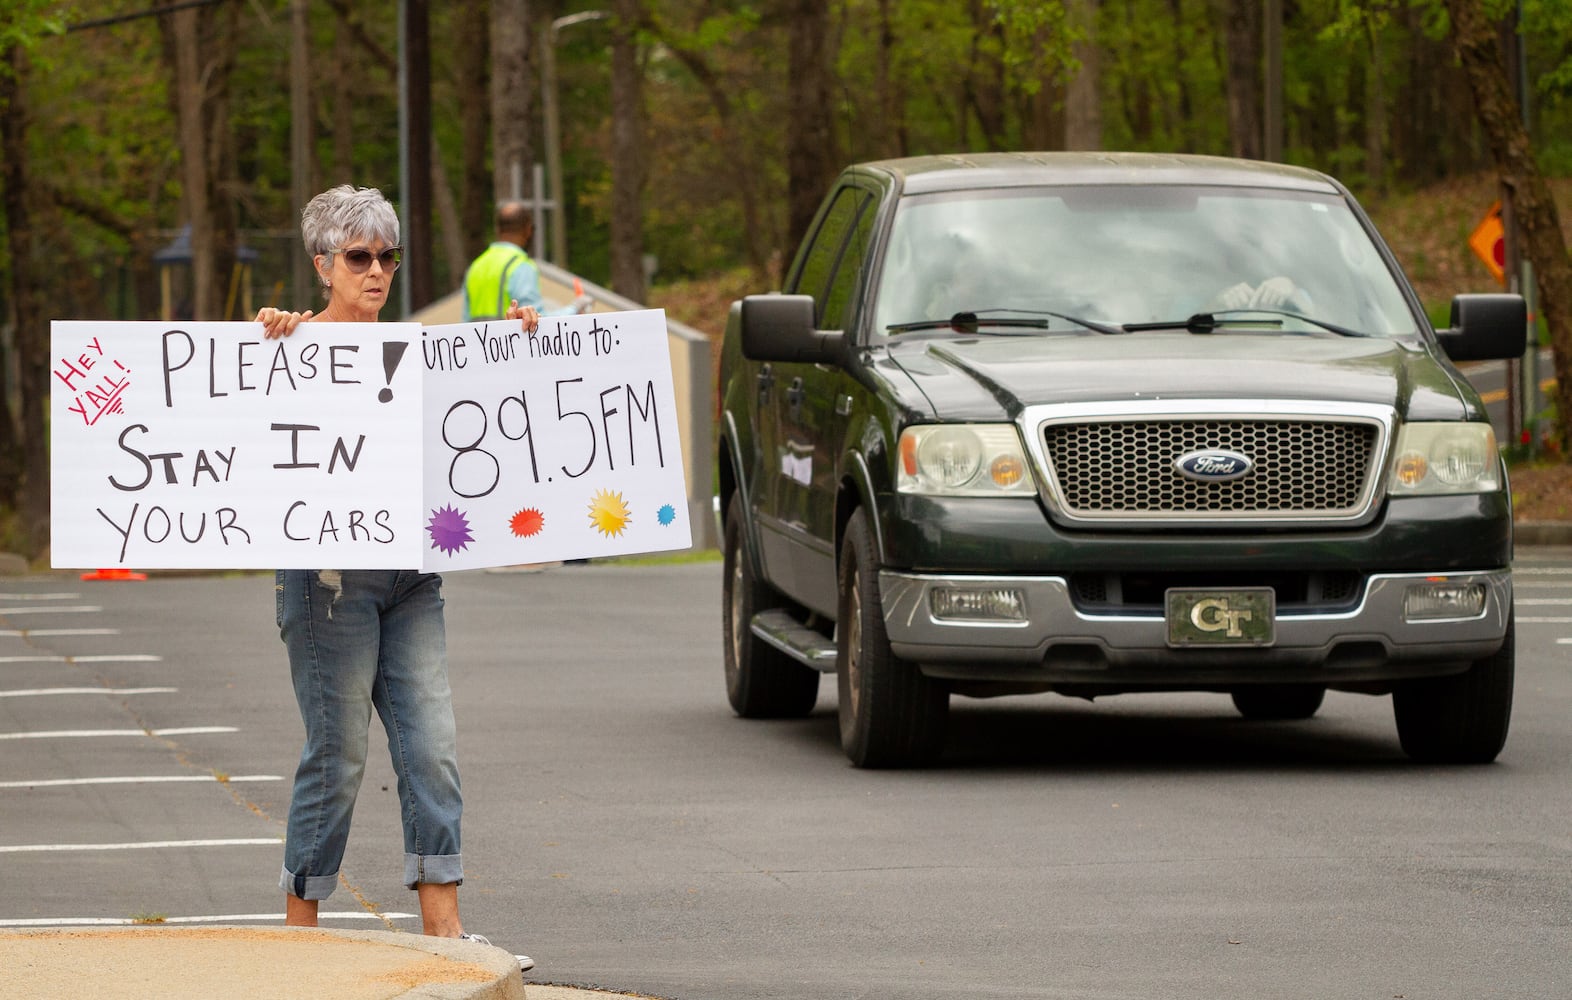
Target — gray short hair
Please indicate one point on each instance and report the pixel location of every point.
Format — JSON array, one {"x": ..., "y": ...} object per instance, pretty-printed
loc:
[{"x": 344, "y": 213}]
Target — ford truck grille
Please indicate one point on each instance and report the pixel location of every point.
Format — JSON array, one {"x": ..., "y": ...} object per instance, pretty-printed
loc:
[{"x": 1129, "y": 469}]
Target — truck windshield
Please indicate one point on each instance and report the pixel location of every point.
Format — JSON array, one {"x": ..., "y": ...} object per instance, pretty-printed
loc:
[{"x": 1123, "y": 254}]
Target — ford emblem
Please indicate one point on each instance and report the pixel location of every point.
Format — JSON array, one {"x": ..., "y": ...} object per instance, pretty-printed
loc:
[{"x": 1213, "y": 465}]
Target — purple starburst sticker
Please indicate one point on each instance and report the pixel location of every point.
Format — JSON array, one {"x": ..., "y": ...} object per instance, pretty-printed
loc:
[{"x": 449, "y": 530}]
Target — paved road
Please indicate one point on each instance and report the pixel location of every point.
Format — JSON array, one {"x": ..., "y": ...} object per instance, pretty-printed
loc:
[
  {"x": 627, "y": 831},
  {"x": 1490, "y": 379}
]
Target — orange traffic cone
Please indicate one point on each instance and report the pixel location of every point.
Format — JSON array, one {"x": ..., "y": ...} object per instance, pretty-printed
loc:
[{"x": 113, "y": 574}]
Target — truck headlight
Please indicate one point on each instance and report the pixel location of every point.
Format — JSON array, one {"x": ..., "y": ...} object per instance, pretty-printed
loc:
[
  {"x": 963, "y": 460},
  {"x": 1445, "y": 458}
]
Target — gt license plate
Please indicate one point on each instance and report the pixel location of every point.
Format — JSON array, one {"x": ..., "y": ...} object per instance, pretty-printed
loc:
[{"x": 1243, "y": 617}]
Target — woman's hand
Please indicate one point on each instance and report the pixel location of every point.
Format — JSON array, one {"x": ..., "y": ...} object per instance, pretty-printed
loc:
[
  {"x": 528, "y": 314},
  {"x": 280, "y": 322}
]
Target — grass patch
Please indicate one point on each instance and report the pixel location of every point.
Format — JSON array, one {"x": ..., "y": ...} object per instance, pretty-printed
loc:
[{"x": 678, "y": 558}]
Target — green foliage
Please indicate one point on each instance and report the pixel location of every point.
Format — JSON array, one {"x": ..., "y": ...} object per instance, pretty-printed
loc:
[
  {"x": 1161, "y": 64},
  {"x": 24, "y": 23},
  {"x": 911, "y": 77},
  {"x": 1036, "y": 42},
  {"x": 1350, "y": 21}
]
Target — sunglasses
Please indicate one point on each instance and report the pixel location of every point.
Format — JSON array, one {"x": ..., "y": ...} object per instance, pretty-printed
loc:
[{"x": 358, "y": 259}]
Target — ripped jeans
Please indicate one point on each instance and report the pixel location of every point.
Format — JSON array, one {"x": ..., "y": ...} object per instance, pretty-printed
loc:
[{"x": 358, "y": 640}]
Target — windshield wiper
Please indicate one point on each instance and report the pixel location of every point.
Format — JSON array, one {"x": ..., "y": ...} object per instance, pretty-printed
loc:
[
  {"x": 968, "y": 322},
  {"x": 1212, "y": 321}
]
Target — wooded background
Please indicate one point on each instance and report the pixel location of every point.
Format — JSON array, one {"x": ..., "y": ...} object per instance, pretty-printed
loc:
[{"x": 697, "y": 136}]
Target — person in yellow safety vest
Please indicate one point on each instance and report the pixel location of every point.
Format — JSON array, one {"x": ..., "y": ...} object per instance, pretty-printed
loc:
[{"x": 504, "y": 275}]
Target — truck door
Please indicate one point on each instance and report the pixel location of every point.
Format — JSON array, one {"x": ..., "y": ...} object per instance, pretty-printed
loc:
[
  {"x": 789, "y": 397},
  {"x": 799, "y": 428}
]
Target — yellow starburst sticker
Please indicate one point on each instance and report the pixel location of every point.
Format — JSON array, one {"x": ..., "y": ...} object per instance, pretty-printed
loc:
[{"x": 608, "y": 513}]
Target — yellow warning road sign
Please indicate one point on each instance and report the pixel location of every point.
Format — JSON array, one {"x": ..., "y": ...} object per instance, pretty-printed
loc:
[{"x": 1488, "y": 241}]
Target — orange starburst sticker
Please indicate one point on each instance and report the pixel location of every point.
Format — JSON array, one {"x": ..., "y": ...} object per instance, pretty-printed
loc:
[{"x": 527, "y": 522}]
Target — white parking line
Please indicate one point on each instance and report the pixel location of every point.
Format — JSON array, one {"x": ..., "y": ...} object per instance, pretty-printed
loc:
[
  {"x": 40, "y": 597},
  {"x": 146, "y": 845},
  {"x": 71, "y": 609},
  {"x": 31, "y": 633},
  {"x": 1544, "y": 601},
  {"x": 1542, "y": 570},
  {"x": 134, "y": 779},
  {"x": 1542, "y": 621},
  {"x": 222, "y": 918},
  {"x": 35, "y": 692},
  {"x": 68, "y": 733},
  {"x": 104, "y": 658}
]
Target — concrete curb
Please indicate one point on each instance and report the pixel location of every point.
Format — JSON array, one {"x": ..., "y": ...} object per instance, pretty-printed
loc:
[
  {"x": 1542, "y": 533},
  {"x": 171, "y": 963}
]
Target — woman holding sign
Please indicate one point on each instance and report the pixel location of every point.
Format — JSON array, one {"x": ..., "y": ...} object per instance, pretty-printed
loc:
[{"x": 360, "y": 640}]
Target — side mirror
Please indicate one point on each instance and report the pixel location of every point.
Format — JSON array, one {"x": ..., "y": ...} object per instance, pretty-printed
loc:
[
  {"x": 780, "y": 328},
  {"x": 1486, "y": 328}
]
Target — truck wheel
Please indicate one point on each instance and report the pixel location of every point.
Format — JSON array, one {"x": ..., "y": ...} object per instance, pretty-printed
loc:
[
  {"x": 1461, "y": 719},
  {"x": 1279, "y": 701},
  {"x": 890, "y": 714},
  {"x": 761, "y": 681}
]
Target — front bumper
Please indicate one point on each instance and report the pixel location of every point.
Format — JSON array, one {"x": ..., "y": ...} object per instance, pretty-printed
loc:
[{"x": 1059, "y": 643}]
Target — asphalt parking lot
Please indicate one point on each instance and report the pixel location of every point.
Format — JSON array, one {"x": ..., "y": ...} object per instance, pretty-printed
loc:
[{"x": 627, "y": 831}]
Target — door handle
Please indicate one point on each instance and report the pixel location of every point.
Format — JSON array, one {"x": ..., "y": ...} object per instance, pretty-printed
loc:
[
  {"x": 765, "y": 380},
  {"x": 794, "y": 396}
]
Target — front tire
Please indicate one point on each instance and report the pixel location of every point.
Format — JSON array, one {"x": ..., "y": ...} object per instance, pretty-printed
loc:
[
  {"x": 761, "y": 681},
  {"x": 1461, "y": 719},
  {"x": 891, "y": 715}
]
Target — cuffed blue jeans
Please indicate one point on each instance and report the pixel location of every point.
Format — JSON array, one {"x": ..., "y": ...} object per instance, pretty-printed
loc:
[{"x": 358, "y": 640}]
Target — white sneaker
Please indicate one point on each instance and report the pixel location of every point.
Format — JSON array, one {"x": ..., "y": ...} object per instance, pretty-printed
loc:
[{"x": 525, "y": 962}]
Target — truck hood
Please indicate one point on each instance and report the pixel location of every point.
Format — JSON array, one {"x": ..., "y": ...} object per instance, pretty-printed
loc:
[{"x": 994, "y": 378}]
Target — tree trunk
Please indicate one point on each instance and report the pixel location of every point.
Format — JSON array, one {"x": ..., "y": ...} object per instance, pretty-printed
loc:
[
  {"x": 418, "y": 267},
  {"x": 433, "y": 191},
  {"x": 892, "y": 120},
  {"x": 1178, "y": 124},
  {"x": 199, "y": 44},
  {"x": 1376, "y": 130},
  {"x": 182, "y": 46},
  {"x": 346, "y": 69},
  {"x": 1244, "y": 77},
  {"x": 223, "y": 165},
  {"x": 1425, "y": 144},
  {"x": 627, "y": 169},
  {"x": 24, "y": 469},
  {"x": 512, "y": 97},
  {"x": 13, "y": 178},
  {"x": 984, "y": 82},
  {"x": 1083, "y": 112},
  {"x": 1534, "y": 209},
  {"x": 811, "y": 156},
  {"x": 472, "y": 21}
]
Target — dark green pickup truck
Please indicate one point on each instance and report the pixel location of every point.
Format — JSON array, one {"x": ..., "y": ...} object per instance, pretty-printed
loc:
[{"x": 1107, "y": 423}]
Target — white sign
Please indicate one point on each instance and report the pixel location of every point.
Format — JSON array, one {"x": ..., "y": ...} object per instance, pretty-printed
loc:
[
  {"x": 556, "y": 444},
  {"x": 363, "y": 446},
  {"x": 205, "y": 445}
]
